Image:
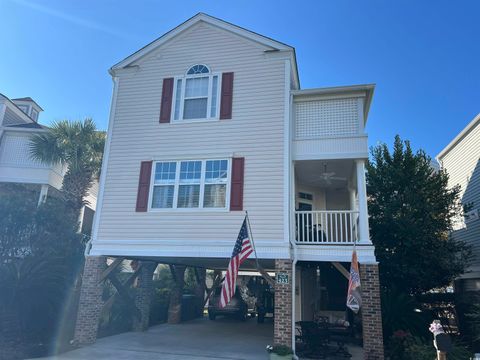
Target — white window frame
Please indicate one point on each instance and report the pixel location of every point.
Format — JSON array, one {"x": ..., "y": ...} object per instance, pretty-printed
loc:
[
  {"x": 200, "y": 207},
  {"x": 25, "y": 108},
  {"x": 184, "y": 78},
  {"x": 306, "y": 201},
  {"x": 34, "y": 111}
]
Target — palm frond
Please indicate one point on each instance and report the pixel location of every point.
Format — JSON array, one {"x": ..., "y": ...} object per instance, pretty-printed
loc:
[{"x": 44, "y": 148}]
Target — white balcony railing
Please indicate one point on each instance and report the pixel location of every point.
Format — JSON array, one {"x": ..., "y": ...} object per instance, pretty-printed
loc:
[{"x": 326, "y": 227}]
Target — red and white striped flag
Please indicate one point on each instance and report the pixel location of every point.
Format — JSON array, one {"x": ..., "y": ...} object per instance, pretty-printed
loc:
[
  {"x": 354, "y": 297},
  {"x": 241, "y": 251}
]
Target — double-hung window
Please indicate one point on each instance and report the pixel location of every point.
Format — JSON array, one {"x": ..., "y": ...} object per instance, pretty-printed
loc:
[
  {"x": 196, "y": 95},
  {"x": 164, "y": 179},
  {"x": 190, "y": 184}
]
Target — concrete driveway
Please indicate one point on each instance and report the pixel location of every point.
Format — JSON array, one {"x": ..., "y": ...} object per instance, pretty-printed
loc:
[{"x": 199, "y": 339}]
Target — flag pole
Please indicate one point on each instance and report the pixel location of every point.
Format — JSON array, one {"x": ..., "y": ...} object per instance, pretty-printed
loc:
[
  {"x": 264, "y": 274},
  {"x": 251, "y": 237}
]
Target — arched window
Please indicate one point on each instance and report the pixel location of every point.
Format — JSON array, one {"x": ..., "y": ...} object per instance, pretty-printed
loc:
[
  {"x": 198, "y": 69},
  {"x": 196, "y": 94}
]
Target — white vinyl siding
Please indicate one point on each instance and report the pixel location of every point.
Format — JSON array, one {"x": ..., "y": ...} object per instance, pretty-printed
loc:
[
  {"x": 10, "y": 118},
  {"x": 255, "y": 132},
  {"x": 462, "y": 163}
]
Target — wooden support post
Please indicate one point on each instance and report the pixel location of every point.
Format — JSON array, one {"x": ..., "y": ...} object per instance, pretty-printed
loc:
[
  {"x": 175, "y": 306},
  {"x": 122, "y": 291},
  {"x": 342, "y": 269},
  {"x": 106, "y": 273},
  {"x": 126, "y": 284},
  {"x": 200, "y": 287},
  {"x": 262, "y": 271}
]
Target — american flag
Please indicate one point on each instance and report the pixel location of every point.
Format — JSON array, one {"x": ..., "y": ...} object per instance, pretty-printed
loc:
[
  {"x": 354, "y": 298},
  {"x": 241, "y": 251}
]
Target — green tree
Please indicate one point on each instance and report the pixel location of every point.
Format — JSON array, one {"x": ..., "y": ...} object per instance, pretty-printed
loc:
[
  {"x": 77, "y": 145},
  {"x": 411, "y": 214},
  {"x": 27, "y": 229},
  {"x": 41, "y": 252}
]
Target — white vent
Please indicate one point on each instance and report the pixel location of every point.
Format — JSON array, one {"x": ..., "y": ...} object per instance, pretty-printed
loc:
[{"x": 326, "y": 118}]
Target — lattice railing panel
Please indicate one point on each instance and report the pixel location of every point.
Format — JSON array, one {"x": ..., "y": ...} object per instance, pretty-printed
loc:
[{"x": 326, "y": 118}]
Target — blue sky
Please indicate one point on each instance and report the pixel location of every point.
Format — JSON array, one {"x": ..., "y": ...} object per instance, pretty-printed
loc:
[{"x": 422, "y": 55}]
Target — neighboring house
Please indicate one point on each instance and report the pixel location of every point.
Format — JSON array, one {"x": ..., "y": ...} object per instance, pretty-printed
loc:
[
  {"x": 461, "y": 160},
  {"x": 209, "y": 121},
  {"x": 18, "y": 122}
]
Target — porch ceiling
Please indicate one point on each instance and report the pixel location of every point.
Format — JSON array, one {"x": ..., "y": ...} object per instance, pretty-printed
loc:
[
  {"x": 310, "y": 172},
  {"x": 211, "y": 263}
]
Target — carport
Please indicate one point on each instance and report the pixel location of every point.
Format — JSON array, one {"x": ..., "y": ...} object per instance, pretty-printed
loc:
[
  {"x": 224, "y": 338},
  {"x": 199, "y": 339},
  {"x": 180, "y": 337}
]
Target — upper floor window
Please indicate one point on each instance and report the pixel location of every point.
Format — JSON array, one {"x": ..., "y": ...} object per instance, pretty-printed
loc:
[
  {"x": 34, "y": 115},
  {"x": 196, "y": 95},
  {"x": 24, "y": 108}
]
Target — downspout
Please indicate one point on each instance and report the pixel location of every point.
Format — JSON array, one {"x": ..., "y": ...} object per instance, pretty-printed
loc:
[
  {"x": 294, "y": 278},
  {"x": 291, "y": 187}
]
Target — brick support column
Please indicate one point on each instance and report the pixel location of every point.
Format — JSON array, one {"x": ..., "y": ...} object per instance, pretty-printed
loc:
[
  {"x": 175, "y": 305},
  {"x": 371, "y": 312},
  {"x": 282, "y": 328},
  {"x": 143, "y": 295},
  {"x": 90, "y": 304}
]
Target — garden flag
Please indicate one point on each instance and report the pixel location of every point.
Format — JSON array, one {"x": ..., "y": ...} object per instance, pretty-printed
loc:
[
  {"x": 354, "y": 299},
  {"x": 241, "y": 251}
]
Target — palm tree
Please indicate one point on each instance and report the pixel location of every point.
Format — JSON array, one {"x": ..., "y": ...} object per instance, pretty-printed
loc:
[{"x": 78, "y": 145}]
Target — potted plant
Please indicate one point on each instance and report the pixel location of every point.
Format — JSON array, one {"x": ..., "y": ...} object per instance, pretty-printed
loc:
[{"x": 280, "y": 352}]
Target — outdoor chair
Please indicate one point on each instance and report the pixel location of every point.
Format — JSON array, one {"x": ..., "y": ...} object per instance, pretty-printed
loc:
[{"x": 314, "y": 340}]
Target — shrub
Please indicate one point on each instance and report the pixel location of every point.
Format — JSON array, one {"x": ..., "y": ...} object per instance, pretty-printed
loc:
[
  {"x": 281, "y": 350},
  {"x": 404, "y": 346},
  {"x": 402, "y": 312}
]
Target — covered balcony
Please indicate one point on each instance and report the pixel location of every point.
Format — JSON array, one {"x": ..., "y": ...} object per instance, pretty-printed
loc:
[
  {"x": 329, "y": 123},
  {"x": 16, "y": 165},
  {"x": 330, "y": 203}
]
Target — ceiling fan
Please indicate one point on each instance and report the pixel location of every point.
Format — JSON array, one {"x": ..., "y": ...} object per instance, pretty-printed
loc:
[{"x": 329, "y": 176}]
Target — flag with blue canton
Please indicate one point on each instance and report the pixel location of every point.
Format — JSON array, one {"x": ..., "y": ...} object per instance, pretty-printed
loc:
[
  {"x": 354, "y": 298},
  {"x": 241, "y": 251}
]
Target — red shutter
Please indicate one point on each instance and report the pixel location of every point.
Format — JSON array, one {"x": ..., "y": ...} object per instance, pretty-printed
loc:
[
  {"x": 143, "y": 186},
  {"x": 236, "y": 195},
  {"x": 166, "y": 105},
  {"x": 226, "y": 96}
]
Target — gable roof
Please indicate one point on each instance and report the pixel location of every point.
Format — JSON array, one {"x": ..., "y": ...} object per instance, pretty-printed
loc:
[
  {"x": 459, "y": 137},
  {"x": 16, "y": 108},
  {"x": 264, "y": 40}
]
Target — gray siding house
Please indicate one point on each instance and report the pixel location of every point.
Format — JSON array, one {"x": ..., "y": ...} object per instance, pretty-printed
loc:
[{"x": 461, "y": 160}]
